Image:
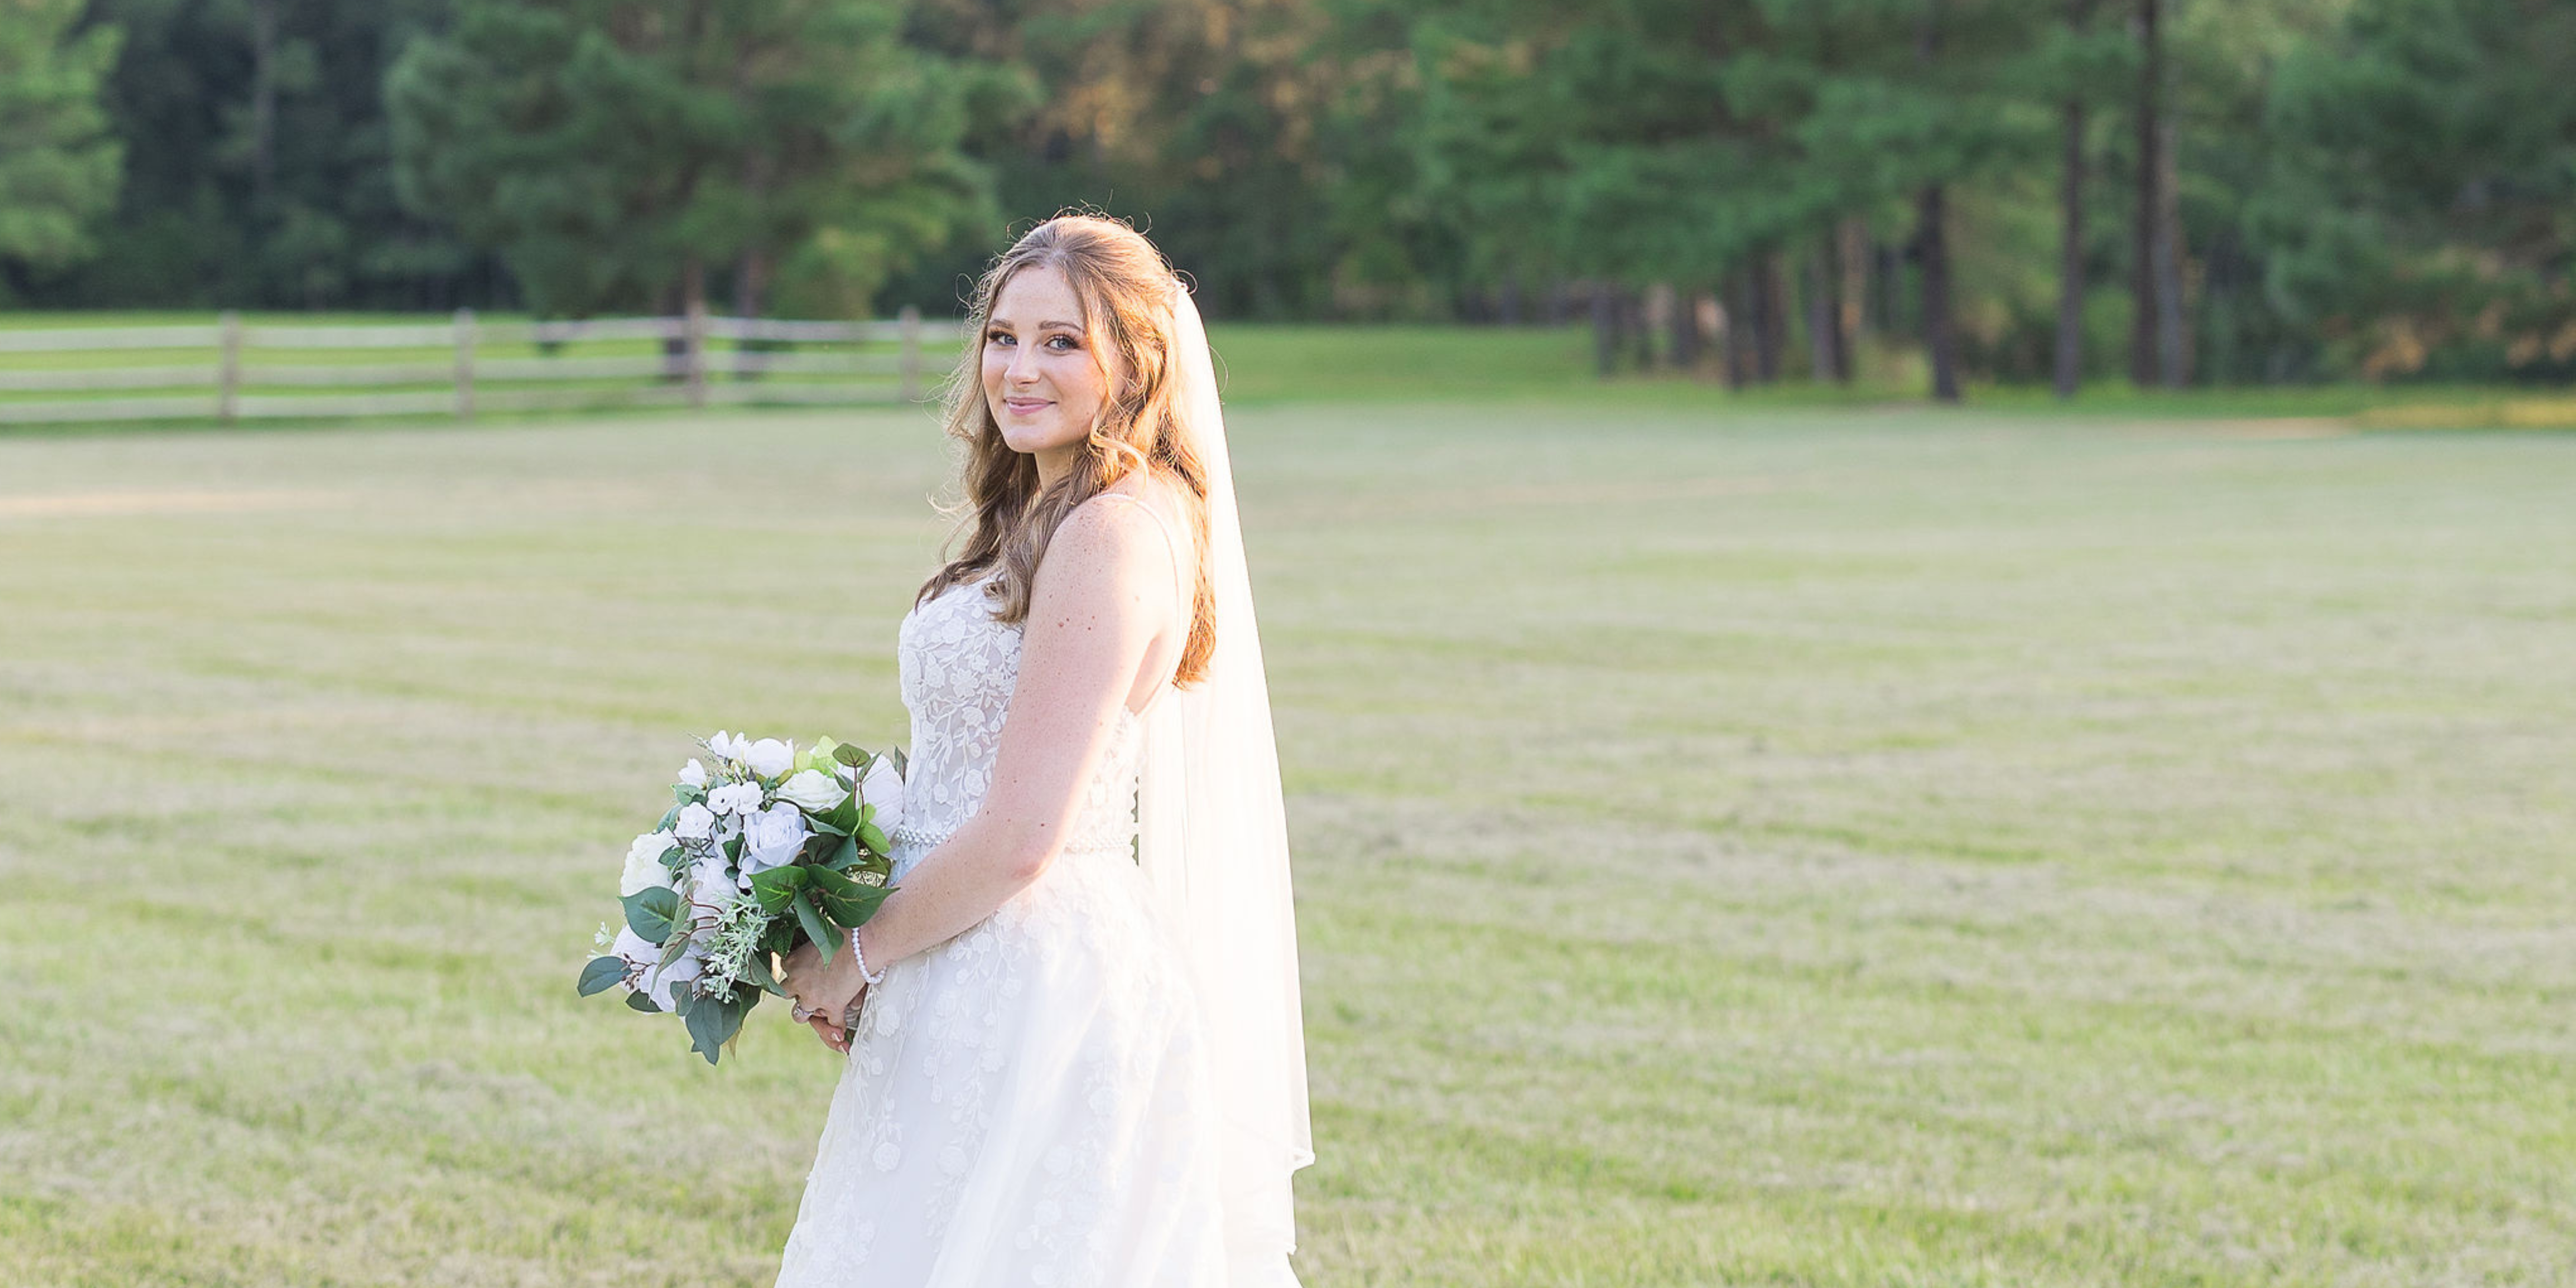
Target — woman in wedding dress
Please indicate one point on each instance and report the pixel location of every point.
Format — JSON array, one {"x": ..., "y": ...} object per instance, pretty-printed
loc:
[{"x": 1073, "y": 1047}]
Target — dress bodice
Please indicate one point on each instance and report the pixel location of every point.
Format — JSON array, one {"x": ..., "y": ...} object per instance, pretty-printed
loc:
[{"x": 958, "y": 668}]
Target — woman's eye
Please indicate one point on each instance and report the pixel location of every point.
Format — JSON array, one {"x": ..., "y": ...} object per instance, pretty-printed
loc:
[{"x": 1068, "y": 340}]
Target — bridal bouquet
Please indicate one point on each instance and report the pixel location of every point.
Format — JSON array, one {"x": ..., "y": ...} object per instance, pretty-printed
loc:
[{"x": 768, "y": 848}]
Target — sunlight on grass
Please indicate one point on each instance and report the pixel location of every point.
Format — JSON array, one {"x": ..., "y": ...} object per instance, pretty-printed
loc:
[{"x": 1792, "y": 847}]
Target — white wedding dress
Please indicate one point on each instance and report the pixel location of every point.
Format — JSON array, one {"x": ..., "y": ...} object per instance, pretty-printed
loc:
[{"x": 1027, "y": 1103}]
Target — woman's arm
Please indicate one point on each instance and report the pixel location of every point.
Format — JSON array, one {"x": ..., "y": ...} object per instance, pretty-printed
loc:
[{"x": 1103, "y": 594}]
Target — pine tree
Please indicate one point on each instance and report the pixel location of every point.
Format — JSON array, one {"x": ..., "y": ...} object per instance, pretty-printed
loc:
[
  {"x": 58, "y": 163},
  {"x": 616, "y": 152}
]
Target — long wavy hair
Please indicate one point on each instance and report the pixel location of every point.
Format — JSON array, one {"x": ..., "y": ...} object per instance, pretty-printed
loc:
[{"x": 1125, "y": 287}]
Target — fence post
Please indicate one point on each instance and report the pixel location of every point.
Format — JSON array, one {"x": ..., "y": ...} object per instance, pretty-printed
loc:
[
  {"x": 693, "y": 351},
  {"x": 464, "y": 364},
  {"x": 909, "y": 321},
  {"x": 228, "y": 370}
]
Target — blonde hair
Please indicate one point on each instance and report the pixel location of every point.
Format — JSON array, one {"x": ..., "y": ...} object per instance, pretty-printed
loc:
[{"x": 1125, "y": 287}]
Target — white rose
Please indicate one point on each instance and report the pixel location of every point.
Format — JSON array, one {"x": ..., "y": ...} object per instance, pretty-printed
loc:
[
  {"x": 644, "y": 868},
  {"x": 813, "y": 791},
  {"x": 769, "y": 757},
  {"x": 693, "y": 774},
  {"x": 883, "y": 788},
  {"x": 770, "y": 838},
  {"x": 710, "y": 886},
  {"x": 696, "y": 823},
  {"x": 726, "y": 745}
]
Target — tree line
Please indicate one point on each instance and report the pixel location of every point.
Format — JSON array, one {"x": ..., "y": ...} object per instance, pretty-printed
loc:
[{"x": 2169, "y": 191}]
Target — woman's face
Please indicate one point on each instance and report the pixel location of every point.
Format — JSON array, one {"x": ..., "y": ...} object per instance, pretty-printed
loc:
[{"x": 1040, "y": 378}]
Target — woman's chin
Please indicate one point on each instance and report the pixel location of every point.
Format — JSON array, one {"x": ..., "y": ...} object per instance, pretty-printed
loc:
[{"x": 1029, "y": 440}]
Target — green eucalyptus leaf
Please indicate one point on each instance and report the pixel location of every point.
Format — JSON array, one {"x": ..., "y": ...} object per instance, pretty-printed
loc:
[
  {"x": 850, "y": 755},
  {"x": 816, "y": 929},
  {"x": 756, "y": 969},
  {"x": 651, "y": 912},
  {"x": 602, "y": 974},
  {"x": 875, "y": 839},
  {"x": 844, "y": 855},
  {"x": 849, "y": 903},
  {"x": 639, "y": 1002},
  {"x": 776, "y": 887},
  {"x": 713, "y": 1023}
]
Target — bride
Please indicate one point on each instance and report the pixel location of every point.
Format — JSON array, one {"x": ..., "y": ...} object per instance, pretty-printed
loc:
[{"x": 1074, "y": 1055}]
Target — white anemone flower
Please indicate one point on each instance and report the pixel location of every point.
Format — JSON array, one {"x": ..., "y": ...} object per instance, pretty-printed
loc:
[{"x": 696, "y": 822}]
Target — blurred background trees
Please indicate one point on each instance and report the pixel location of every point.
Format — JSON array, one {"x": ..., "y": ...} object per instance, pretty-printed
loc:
[{"x": 2168, "y": 192}]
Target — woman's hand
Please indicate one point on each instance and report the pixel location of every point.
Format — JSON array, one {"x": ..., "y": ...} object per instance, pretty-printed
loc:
[{"x": 827, "y": 994}]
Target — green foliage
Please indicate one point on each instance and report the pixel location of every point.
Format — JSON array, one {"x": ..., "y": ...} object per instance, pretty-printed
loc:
[
  {"x": 845, "y": 902},
  {"x": 712, "y": 1022},
  {"x": 255, "y": 170},
  {"x": 602, "y": 974},
  {"x": 2364, "y": 186},
  {"x": 2420, "y": 203},
  {"x": 59, "y": 165},
  {"x": 652, "y": 913},
  {"x": 613, "y": 150},
  {"x": 817, "y": 930},
  {"x": 777, "y": 887}
]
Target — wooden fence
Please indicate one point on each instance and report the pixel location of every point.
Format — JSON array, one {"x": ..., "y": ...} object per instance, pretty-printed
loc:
[{"x": 229, "y": 371}]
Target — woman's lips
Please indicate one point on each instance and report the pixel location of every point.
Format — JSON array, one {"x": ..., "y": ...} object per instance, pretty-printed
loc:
[{"x": 1024, "y": 406}]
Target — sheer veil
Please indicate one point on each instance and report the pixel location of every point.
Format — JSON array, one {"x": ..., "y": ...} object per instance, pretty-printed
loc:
[{"x": 1214, "y": 847}]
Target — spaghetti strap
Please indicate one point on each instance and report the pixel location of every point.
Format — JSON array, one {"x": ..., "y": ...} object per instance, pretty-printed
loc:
[
  {"x": 1171, "y": 539},
  {"x": 1180, "y": 583}
]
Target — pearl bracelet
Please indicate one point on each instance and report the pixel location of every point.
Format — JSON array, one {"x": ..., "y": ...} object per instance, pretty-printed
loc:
[{"x": 870, "y": 978}]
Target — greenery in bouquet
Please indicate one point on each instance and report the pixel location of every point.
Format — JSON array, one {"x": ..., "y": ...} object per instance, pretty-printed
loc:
[{"x": 765, "y": 847}]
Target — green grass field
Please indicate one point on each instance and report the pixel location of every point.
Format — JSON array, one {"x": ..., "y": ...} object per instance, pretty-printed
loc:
[{"x": 1787, "y": 847}]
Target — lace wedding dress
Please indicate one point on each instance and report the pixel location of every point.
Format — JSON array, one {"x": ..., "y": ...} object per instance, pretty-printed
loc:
[{"x": 1027, "y": 1103}]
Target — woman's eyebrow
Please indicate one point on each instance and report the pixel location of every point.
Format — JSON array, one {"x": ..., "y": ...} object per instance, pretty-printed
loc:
[{"x": 1069, "y": 326}]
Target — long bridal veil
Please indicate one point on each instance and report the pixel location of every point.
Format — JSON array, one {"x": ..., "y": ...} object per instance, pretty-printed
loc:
[{"x": 1214, "y": 846}]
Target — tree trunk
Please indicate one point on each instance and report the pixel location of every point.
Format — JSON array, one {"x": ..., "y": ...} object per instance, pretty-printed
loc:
[
  {"x": 750, "y": 283},
  {"x": 2173, "y": 347},
  {"x": 1685, "y": 343},
  {"x": 1940, "y": 340},
  {"x": 1824, "y": 316},
  {"x": 1737, "y": 332},
  {"x": 263, "y": 106},
  {"x": 1851, "y": 259},
  {"x": 1639, "y": 330},
  {"x": 1770, "y": 316},
  {"x": 2144, "y": 306},
  {"x": 1932, "y": 247},
  {"x": 2070, "y": 255},
  {"x": 1605, "y": 331}
]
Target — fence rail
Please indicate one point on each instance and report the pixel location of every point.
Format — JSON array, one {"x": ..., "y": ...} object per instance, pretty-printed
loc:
[{"x": 460, "y": 367}]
